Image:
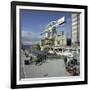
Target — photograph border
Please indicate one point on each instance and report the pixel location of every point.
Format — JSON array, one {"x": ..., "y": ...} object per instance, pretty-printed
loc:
[{"x": 13, "y": 47}]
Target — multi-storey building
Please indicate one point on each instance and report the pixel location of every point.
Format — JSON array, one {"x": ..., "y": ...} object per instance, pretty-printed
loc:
[
  {"x": 75, "y": 29},
  {"x": 58, "y": 41}
]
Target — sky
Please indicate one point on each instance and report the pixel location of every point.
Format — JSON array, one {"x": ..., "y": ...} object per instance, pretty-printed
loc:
[{"x": 33, "y": 22}]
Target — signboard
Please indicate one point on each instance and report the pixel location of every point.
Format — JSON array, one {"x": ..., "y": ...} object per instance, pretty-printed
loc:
[{"x": 61, "y": 20}]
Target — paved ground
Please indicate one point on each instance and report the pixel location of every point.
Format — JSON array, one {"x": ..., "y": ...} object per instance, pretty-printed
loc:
[{"x": 51, "y": 68}]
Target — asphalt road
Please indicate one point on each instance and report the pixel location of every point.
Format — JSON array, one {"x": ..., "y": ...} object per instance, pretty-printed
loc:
[{"x": 51, "y": 68}]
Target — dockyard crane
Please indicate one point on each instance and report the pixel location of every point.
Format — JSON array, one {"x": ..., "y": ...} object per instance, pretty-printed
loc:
[{"x": 51, "y": 27}]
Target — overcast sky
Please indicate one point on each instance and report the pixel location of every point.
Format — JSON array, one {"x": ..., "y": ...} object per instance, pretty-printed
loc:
[{"x": 33, "y": 23}]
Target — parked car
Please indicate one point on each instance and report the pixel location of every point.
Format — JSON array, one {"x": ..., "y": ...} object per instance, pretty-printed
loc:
[
  {"x": 51, "y": 52},
  {"x": 37, "y": 57},
  {"x": 30, "y": 58},
  {"x": 28, "y": 61},
  {"x": 72, "y": 65},
  {"x": 41, "y": 58}
]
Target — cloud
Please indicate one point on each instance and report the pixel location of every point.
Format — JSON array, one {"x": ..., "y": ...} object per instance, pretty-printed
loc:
[{"x": 28, "y": 37}]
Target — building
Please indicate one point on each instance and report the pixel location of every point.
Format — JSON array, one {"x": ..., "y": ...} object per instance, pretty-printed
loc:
[
  {"x": 46, "y": 43},
  {"x": 57, "y": 41},
  {"x": 75, "y": 29},
  {"x": 52, "y": 38},
  {"x": 60, "y": 39}
]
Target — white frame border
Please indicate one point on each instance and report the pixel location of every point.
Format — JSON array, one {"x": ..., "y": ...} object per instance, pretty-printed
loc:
[{"x": 54, "y": 79}]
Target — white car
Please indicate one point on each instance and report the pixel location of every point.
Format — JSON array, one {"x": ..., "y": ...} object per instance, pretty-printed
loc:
[
  {"x": 66, "y": 53},
  {"x": 51, "y": 52}
]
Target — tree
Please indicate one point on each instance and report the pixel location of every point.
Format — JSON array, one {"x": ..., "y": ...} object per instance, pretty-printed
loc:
[{"x": 38, "y": 47}]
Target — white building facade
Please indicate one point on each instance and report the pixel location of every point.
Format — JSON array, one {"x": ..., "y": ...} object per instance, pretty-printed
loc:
[
  {"x": 75, "y": 29},
  {"x": 61, "y": 39}
]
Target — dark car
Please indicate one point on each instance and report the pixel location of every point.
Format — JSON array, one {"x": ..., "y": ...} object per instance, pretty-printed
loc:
[
  {"x": 28, "y": 61},
  {"x": 72, "y": 65},
  {"x": 41, "y": 58}
]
